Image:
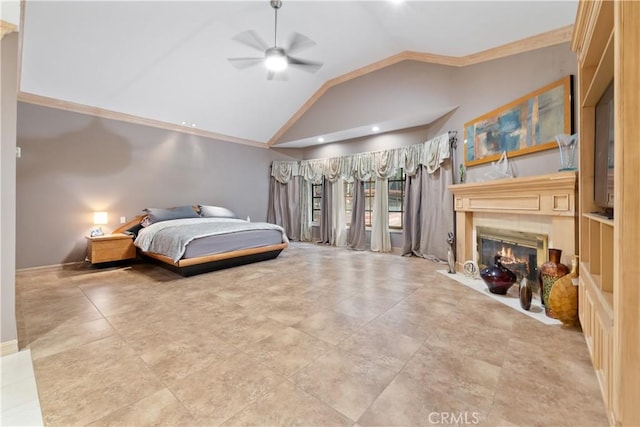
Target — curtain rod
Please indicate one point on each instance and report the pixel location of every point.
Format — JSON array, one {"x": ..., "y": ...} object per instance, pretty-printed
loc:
[{"x": 453, "y": 138}]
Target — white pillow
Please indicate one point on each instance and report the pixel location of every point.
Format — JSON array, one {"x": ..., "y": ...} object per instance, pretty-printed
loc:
[{"x": 216, "y": 212}]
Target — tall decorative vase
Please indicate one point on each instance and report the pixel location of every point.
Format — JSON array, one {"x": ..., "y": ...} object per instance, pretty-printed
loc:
[
  {"x": 568, "y": 145},
  {"x": 563, "y": 298},
  {"x": 548, "y": 274},
  {"x": 526, "y": 294}
]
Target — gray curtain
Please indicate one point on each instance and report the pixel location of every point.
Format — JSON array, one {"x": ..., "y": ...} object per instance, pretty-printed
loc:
[
  {"x": 356, "y": 239},
  {"x": 428, "y": 213},
  {"x": 412, "y": 215},
  {"x": 284, "y": 205},
  {"x": 326, "y": 223}
]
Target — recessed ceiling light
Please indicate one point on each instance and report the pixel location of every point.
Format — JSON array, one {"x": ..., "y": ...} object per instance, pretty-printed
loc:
[
  {"x": 321, "y": 139},
  {"x": 193, "y": 125},
  {"x": 375, "y": 128}
]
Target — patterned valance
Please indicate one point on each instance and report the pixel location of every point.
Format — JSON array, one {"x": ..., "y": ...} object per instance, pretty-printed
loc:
[{"x": 363, "y": 166}]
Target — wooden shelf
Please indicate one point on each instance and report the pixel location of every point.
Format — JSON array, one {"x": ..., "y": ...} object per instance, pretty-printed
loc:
[
  {"x": 600, "y": 25},
  {"x": 598, "y": 218},
  {"x": 597, "y": 249},
  {"x": 593, "y": 283},
  {"x": 602, "y": 76}
]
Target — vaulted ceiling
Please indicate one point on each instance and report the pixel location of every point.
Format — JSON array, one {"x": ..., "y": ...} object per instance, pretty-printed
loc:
[{"x": 166, "y": 62}]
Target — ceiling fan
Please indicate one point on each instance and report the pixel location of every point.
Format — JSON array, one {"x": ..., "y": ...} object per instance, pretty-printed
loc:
[{"x": 276, "y": 58}]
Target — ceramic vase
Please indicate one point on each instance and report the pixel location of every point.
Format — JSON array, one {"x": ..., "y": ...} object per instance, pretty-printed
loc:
[
  {"x": 498, "y": 278},
  {"x": 526, "y": 294},
  {"x": 548, "y": 274},
  {"x": 563, "y": 298}
]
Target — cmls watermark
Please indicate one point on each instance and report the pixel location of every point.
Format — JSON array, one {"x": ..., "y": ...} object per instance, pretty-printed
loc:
[{"x": 454, "y": 418}]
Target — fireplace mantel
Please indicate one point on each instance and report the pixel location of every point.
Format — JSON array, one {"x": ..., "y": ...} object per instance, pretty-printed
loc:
[{"x": 549, "y": 198}]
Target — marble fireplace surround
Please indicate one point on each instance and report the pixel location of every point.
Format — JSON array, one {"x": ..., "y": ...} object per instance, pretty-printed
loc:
[{"x": 542, "y": 204}]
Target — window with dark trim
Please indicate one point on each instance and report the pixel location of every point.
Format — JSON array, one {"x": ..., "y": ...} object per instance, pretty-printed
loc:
[
  {"x": 396, "y": 200},
  {"x": 316, "y": 200},
  {"x": 369, "y": 191}
]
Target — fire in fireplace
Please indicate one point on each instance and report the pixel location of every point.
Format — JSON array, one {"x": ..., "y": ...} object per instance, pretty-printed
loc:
[{"x": 521, "y": 252}]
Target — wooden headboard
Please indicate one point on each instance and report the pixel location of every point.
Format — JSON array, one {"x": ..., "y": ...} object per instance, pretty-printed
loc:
[{"x": 135, "y": 221}]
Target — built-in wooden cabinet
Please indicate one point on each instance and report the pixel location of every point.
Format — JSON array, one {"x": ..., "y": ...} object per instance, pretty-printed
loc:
[{"x": 607, "y": 41}]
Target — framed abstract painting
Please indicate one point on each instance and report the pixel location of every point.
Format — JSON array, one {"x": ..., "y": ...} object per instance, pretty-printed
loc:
[{"x": 526, "y": 125}]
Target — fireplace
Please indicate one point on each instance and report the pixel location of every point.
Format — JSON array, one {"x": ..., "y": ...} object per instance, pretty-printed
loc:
[
  {"x": 521, "y": 252},
  {"x": 543, "y": 205}
]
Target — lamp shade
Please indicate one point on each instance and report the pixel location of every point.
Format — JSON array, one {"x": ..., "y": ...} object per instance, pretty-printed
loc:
[{"x": 100, "y": 218}]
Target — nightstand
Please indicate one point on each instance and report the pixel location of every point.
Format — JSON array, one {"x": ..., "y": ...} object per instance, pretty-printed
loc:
[{"x": 110, "y": 247}]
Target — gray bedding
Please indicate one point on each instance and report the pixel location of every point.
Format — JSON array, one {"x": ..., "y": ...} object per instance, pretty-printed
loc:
[
  {"x": 171, "y": 238},
  {"x": 231, "y": 242}
]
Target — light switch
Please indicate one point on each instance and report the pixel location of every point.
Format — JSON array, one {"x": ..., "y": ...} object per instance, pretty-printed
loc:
[{"x": 123, "y": 219}]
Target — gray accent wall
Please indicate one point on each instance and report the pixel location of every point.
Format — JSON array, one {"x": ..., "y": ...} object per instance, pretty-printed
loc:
[
  {"x": 9, "y": 82},
  {"x": 406, "y": 90},
  {"x": 74, "y": 164}
]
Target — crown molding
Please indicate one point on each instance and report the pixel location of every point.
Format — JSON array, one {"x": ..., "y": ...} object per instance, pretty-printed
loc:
[
  {"x": 44, "y": 101},
  {"x": 539, "y": 41},
  {"x": 7, "y": 28}
]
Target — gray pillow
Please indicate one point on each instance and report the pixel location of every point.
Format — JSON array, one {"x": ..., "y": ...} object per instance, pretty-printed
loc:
[
  {"x": 159, "y": 214},
  {"x": 216, "y": 212}
]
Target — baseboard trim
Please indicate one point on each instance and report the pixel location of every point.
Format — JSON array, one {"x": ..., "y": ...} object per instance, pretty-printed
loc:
[
  {"x": 8, "y": 347},
  {"x": 48, "y": 267}
]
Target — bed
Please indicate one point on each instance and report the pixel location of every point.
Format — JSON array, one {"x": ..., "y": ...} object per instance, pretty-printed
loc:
[{"x": 197, "y": 239}]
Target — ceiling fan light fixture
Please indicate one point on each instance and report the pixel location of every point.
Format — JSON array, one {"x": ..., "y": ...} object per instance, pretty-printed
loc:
[{"x": 275, "y": 59}]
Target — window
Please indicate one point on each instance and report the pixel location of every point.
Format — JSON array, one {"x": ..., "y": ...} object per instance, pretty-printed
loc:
[
  {"x": 396, "y": 200},
  {"x": 316, "y": 200}
]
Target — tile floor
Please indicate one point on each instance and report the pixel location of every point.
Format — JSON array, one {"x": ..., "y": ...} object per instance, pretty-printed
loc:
[{"x": 319, "y": 336}]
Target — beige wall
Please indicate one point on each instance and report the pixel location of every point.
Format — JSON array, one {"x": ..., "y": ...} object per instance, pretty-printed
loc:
[
  {"x": 8, "y": 80},
  {"x": 74, "y": 164}
]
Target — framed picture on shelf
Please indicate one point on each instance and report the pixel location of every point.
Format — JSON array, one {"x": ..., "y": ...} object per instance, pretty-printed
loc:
[{"x": 527, "y": 125}]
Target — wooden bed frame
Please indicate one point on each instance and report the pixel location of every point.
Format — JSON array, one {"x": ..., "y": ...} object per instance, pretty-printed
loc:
[{"x": 203, "y": 264}]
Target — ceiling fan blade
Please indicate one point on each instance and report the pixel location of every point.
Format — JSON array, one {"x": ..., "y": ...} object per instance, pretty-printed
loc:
[
  {"x": 242, "y": 63},
  {"x": 252, "y": 39},
  {"x": 298, "y": 42},
  {"x": 281, "y": 76},
  {"x": 309, "y": 66}
]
